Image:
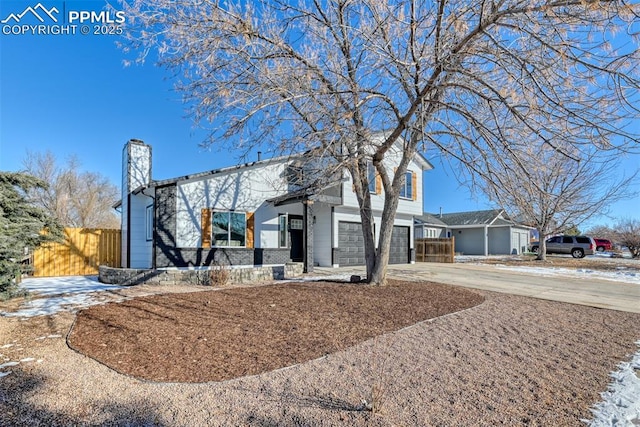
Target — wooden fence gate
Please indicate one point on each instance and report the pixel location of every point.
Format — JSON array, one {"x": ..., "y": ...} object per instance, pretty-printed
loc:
[
  {"x": 82, "y": 251},
  {"x": 435, "y": 250}
]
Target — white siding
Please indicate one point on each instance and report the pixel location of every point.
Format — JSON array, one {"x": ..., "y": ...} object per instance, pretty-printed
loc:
[
  {"x": 141, "y": 248},
  {"x": 405, "y": 206},
  {"x": 123, "y": 231},
  {"x": 266, "y": 222},
  {"x": 322, "y": 235},
  {"x": 244, "y": 190}
]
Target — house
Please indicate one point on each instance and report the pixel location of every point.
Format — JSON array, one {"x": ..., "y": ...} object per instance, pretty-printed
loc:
[
  {"x": 487, "y": 232},
  {"x": 252, "y": 214}
]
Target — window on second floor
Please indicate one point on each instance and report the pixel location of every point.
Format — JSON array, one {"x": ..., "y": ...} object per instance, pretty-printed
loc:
[
  {"x": 407, "y": 190},
  {"x": 371, "y": 175}
]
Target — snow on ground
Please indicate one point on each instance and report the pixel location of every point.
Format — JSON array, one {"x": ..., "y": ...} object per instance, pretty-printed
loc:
[
  {"x": 54, "y": 294},
  {"x": 64, "y": 285},
  {"x": 621, "y": 275},
  {"x": 620, "y": 405},
  {"x": 621, "y": 402}
]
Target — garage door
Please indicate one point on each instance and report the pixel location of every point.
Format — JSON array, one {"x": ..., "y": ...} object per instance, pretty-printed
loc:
[
  {"x": 351, "y": 244},
  {"x": 399, "y": 253}
]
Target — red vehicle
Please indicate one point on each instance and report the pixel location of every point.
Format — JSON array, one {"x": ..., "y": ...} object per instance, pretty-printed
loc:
[{"x": 603, "y": 245}]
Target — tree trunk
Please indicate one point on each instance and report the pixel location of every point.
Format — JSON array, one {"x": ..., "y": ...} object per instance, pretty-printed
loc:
[
  {"x": 361, "y": 188},
  {"x": 379, "y": 274},
  {"x": 542, "y": 246}
]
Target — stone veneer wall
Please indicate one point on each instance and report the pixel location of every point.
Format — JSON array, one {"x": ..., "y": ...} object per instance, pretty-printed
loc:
[{"x": 132, "y": 276}]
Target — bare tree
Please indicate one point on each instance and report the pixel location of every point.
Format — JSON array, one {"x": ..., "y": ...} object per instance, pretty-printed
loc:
[
  {"x": 553, "y": 188},
  {"x": 628, "y": 234},
  {"x": 462, "y": 75},
  {"x": 602, "y": 232},
  {"x": 75, "y": 198}
]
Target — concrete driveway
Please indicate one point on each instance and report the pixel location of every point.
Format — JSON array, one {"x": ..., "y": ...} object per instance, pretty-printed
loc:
[{"x": 591, "y": 291}]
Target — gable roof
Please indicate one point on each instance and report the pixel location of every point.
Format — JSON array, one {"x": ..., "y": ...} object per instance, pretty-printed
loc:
[
  {"x": 490, "y": 217},
  {"x": 486, "y": 217},
  {"x": 428, "y": 219},
  {"x": 418, "y": 158}
]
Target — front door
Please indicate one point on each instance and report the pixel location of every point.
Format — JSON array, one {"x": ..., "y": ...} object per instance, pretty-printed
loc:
[{"x": 296, "y": 237}]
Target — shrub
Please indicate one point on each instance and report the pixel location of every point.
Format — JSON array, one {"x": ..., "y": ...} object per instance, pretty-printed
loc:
[{"x": 219, "y": 275}]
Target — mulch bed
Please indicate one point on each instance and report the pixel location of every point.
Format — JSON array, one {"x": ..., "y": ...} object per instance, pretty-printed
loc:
[{"x": 224, "y": 334}]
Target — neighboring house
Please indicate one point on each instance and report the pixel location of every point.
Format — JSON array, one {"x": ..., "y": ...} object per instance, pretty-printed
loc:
[
  {"x": 252, "y": 214},
  {"x": 429, "y": 226},
  {"x": 488, "y": 232}
]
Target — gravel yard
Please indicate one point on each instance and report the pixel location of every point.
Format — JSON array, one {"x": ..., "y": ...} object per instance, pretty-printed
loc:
[{"x": 508, "y": 360}]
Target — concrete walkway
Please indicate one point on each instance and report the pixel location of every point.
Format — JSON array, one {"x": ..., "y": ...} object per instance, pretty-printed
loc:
[{"x": 593, "y": 292}]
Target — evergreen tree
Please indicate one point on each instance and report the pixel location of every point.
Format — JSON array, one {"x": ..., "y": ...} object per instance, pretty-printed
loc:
[{"x": 23, "y": 226}]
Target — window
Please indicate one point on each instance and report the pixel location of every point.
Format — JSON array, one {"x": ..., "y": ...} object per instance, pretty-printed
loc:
[
  {"x": 371, "y": 173},
  {"x": 229, "y": 229},
  {"x": 406, "y": 191},
  {"x": 296, "y": 224},
  {"x": 282, "y": 231},
  {"x": 149, "y": 222}
]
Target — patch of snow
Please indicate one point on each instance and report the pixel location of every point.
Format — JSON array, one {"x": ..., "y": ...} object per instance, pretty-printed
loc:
[
  {"x": 27, "y": 359},
  {"x": 620, "y": 406},
  {"x": 616, "y": 276},
  {"x": 7, "y": 345},
  {"x": 47, "y": 306},
  {"x": 47, "y": 286},
  {"x": 4, "y": 374},
  {"x": 8, "y": 364},
  {"x": 56, "y": 294}
]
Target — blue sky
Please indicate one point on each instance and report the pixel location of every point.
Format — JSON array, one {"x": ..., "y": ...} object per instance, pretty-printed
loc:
[{"x": 72, "y": 95}]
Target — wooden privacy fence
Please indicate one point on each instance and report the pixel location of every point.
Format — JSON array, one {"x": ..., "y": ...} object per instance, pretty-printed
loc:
[
  {"x": 435, "y": 250},
  {"x": 82, "y": 251}
]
